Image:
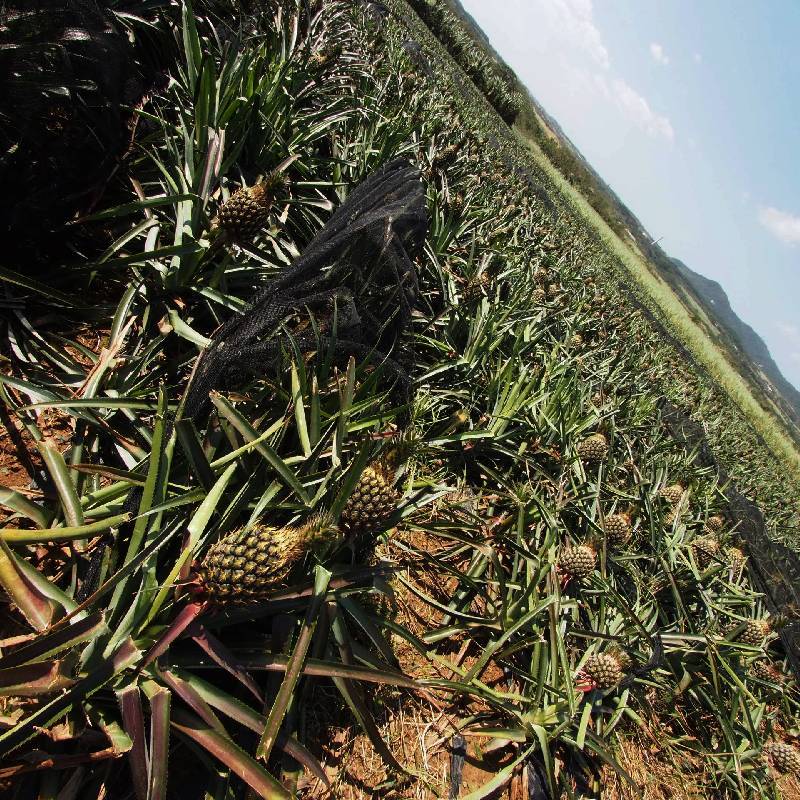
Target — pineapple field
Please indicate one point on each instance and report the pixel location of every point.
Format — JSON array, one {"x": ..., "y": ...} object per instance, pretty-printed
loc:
[{"x": 341, "y": 457}]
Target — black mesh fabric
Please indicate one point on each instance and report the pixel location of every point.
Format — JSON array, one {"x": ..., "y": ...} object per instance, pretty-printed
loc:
[{"x": 361, "y": 262}]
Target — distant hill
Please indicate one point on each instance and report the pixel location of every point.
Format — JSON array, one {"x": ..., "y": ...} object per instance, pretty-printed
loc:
[{"x": 753, "y": 345}]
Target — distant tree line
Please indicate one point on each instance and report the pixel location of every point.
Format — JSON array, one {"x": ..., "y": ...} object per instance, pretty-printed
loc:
[{"x": 497, "y": 82}]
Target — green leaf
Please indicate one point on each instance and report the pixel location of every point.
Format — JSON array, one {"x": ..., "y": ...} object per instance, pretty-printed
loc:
[
  {"x": 55, "y": 641},
  {"x": 36, "y": 607},
  {"x": 16, "y": 536},
  {"x": 45, "y": 677},
  {"x": 59, "y": 472},
  {"x": 19, "y": 503},
  {"x": 250, "y": 435},
  {"x": 294, "y": 665},
  {"x": 160, "y": 699},
  {"x": 501, "y": 778},
  {"x": 105, "y": 671},
  {"x": 232, "y": 756}
]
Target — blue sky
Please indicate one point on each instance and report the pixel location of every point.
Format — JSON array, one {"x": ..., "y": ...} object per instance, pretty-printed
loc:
[{"x": 691, "y": 112}]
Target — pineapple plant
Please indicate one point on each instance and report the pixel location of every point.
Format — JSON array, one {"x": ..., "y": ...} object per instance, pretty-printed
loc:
[
  {"x": 593, "y": 449},
  {"x": 783, "y": 756},
  {"x": 372, "y": 501},
  {"x": 246, "y": 565},
  {"x": 453, "y": 541},
  {"x": 617, "y": 529},
  {"x": 577, "y": 561},
  {"x": 553, "y": 291}
]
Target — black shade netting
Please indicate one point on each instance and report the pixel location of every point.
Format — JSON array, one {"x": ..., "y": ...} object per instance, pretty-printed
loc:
[{"x": 357, "y": 276}]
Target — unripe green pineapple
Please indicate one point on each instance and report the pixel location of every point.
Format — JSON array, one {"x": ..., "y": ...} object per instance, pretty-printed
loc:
[
  {"x": 604, "y": 670},
  {"x": 539, "y": 297},
  {"x": 577, "y": 561},
  {"x": 672, "y": 494},
  {"x": 598, "y": 399},
  {"x": 705, "y": 549},
  {"x": 783, "y": 757},
  {"x": 553, "y": 291},
  {"x": 248, "y": 564},
  {"x": 593, "y": 449},
  {"x": 617, "y": 529},
  {"x": 372, "y": 501}
]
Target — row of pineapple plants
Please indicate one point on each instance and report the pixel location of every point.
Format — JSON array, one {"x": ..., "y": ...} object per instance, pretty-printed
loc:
[
  {"x": 591, "y": 564},
  {"x": 763, "y": 477}
]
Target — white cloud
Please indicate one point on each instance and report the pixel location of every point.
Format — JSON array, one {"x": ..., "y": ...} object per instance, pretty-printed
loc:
[
  {"x": 572, "y": 21},
  {"x": 638, "y": 110},
  {"x": 781, "y": 224},
  {"x": 789, "y": 329},
  {"x": 659, "y": 56},
  {"x": 565, "y": 60}
]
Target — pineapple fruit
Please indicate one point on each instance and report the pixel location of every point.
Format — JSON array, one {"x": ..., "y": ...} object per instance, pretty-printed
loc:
[
  {"x": 372, "y": 502},
  {"x": 705, "y": 550},
  {"x": 606, "y": 670},
  {"x": 783, "y": 756},
  {"x": 248, "y": 564},
  {"x": 577, "y": 561},
  {"x": 476, "y": 287},
  {"x": 672, "y": 494},
  {"x": 576, "y": 341},
  {"x": 754, "y": 631},
  {"x": 617, "y": 529},
  {"x": 715, "y": 523},
  {"x": 593, "y": 449},
  {"x": 736, "y": 558},
  {"x": 246, "y": 212},
  {"x": 766, "y": 671}
]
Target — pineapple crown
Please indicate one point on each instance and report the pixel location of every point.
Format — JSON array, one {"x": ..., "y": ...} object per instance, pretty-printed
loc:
[{"x": 321, "y": 530}]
